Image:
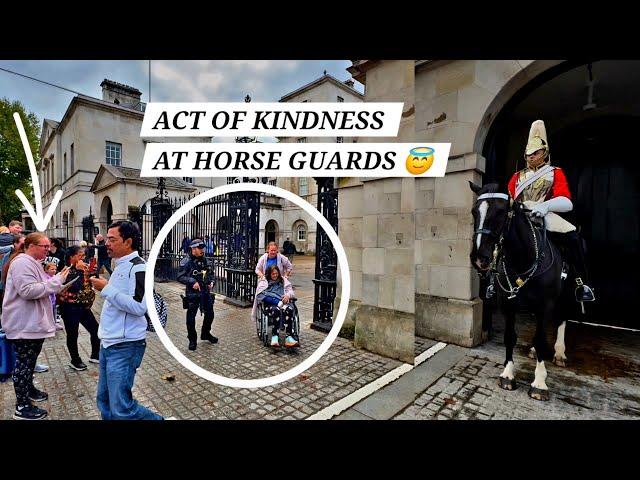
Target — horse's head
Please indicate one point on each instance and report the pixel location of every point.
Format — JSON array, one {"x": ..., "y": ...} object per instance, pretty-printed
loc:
[{"x": 489, "y": 220}]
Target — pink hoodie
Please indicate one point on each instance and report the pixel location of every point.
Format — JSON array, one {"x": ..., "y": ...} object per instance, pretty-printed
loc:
[{"x": 26, "y": 309}]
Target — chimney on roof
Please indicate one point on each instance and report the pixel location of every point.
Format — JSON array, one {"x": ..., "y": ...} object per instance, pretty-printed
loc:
[
  {"x": 349, "y": 83},
  {"x": 121, "y": 94}
]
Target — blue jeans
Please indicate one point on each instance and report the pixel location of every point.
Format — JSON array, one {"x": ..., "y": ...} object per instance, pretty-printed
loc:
[{"x": 118, "y": 365}]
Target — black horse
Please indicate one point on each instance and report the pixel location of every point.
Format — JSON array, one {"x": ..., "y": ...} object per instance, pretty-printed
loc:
[{"x": 525, "y": 269}]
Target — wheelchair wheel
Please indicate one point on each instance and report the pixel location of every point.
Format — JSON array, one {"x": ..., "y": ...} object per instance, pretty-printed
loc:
[
  {"x": 264, "y": 328},
  {"x": 259, "y": 322},
  {"x": 296, "y": 323}
]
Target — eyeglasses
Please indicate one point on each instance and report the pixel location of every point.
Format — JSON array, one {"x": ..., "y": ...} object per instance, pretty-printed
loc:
[{"x": 46, "y": 247}]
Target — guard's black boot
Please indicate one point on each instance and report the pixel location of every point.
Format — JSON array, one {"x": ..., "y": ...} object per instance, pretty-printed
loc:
[
  {"x": 193, "y": 345},
  {"x": 583, "y": 292}
]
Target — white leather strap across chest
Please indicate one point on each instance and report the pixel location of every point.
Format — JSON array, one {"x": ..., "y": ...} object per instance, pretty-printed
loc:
[{"x": 539, "y": 174}]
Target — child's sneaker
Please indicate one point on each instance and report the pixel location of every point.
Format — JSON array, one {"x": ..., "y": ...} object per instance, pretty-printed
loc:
[
  {"x": 38, "y": 395},
  {"x": 290, "y": 342},
  {"x": 41, "y": 368},
  {"x": 275, "y": 341},
  {"x": 29, "y": 412}
]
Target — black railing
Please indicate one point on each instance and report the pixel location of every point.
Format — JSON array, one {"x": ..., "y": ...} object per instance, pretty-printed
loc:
[{"x": 326, "y": 258}]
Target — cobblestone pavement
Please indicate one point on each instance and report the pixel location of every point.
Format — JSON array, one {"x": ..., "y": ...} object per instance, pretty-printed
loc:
[
  {"x": 165, "y": 386},
  {"x": 601, "y": 381}
]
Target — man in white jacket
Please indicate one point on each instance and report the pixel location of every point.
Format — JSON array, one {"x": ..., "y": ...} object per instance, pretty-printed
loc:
[{"x": 123, "y": 326}]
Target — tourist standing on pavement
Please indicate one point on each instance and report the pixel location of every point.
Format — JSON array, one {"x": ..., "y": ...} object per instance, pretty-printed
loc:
[
  {"x": 210, "y": 247},
  {"x": 7, "y": 233},
  {"x": 123, "y": 326},
  {"x": 75, "y": 307},
  {"x": 28, "y": 319},
  {"x": 103, "y": 256},
  {"x": 186, "y": 243},
  {"x": 16, "y": 246},
  {"x": 56, "y": 255}
]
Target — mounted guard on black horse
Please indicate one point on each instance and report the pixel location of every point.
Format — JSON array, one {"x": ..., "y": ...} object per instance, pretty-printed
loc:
[{"x": 528, "y": 254}]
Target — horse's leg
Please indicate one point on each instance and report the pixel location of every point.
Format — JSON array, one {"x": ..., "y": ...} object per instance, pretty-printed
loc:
[
  {"x": 559, "y": 358},
  {"x": 539, "y": 389},
  {"x": 532, "y": 350},
  {"x": 508, "y": 375}
]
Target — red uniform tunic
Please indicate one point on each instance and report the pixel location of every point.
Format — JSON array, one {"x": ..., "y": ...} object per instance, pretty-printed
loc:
[{"x": 559, "y": 187}]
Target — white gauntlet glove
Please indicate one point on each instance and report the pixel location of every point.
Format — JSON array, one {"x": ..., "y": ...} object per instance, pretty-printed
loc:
[{"x": 558, "y": 204}]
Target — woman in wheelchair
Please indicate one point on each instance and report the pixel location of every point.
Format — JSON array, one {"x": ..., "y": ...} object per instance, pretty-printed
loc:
[{"x": 276, "y": 301}]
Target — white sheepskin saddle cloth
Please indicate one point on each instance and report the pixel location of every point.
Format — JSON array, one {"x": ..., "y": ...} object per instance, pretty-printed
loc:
[{"x": 553, "y": 221}]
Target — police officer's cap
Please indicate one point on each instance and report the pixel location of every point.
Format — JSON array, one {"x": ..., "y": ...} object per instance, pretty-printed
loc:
[{"x": 197, "y": 243}]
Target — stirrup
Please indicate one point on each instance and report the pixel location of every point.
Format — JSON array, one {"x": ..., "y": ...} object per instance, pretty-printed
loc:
[{"x": 586, "y": 292}]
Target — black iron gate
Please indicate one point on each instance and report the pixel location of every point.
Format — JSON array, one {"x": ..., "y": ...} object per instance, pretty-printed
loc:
[
  {"x": 88, "y": 228},
  {"x": 326, "y": 257},
  {"x": 229, "y": 227}
]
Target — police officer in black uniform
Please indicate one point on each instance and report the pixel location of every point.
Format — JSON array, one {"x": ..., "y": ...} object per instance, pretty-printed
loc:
[{"x": 197, "y": 275}]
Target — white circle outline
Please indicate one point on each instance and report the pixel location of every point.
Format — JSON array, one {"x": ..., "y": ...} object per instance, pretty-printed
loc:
[{"x": 259, "y": 382}]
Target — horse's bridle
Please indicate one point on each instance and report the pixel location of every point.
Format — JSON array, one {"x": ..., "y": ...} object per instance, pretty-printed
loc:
[
  {"x": 487, "y": 196},
  {"x": 529, "y": 273}
]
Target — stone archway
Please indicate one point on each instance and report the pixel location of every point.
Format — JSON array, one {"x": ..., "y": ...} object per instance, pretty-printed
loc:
[
  {"x": 106, "y": 213},
  {"x": 300, "y": 236},
  {"x": 72, "y": 226},
  {"x": 65, "y": 228},
  {"x": 591, "y": 137},
  {"x": 271, "y": 233}
]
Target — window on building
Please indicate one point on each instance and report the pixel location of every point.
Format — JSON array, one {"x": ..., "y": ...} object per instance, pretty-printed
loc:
[
  {"x": 302, "y": 233},
  {"x": 340, "y": 139},
  {"x": 188, "y": 180},
  {"x": 72, "y": 166},
  {"x": 302, "y": 140},
  {"x": 113, "y": 153},
  {"x": 340, "y": 99},
  {"x": 303, "y": 187},
  {"x": 64, "y": 167}
]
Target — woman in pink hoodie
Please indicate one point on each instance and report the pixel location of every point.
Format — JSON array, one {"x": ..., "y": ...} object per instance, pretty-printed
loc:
[{"x": 28, "y": 319}]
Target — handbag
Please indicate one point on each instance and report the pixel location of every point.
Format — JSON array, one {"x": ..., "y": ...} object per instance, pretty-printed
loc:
[{"x": 161, "y": 308}]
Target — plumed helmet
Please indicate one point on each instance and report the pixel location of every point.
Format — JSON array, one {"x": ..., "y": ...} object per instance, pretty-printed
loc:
[{"x": 537, "y": 139}]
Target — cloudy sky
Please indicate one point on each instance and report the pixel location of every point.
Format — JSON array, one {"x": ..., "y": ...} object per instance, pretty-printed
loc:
[{"x": 177, "y": 81}]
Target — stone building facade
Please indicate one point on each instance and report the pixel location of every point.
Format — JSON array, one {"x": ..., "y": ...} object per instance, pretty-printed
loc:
[
  {"x": 94, "y": 155},
  {"x": 288, "y": 220}
]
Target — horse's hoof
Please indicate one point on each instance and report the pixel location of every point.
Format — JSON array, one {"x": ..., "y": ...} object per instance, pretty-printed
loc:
[
  {"x": 539, "y": 394},
  {"x": 507, "y": 383},
  {"x": 532, "y": 353},
  {"x": 560, "y": 362}
]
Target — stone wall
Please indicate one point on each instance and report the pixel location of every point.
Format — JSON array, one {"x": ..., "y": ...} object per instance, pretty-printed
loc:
[
  {"x": 456, "y": 102},
  {"x": 377, "y": 229}
]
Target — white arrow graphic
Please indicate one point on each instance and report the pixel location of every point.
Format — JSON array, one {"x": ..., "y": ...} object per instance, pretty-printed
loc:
[{"x": 39, "y": 220}]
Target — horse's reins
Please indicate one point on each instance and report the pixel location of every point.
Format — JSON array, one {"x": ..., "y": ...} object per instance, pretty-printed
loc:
[{"x": 530, "y": 272}]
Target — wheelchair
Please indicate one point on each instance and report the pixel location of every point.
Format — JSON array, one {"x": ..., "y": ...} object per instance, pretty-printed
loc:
[{"x": 264, "y": 325}]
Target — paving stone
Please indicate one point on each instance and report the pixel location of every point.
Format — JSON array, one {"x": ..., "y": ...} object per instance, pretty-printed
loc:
[{"x": 340, "y": 372}]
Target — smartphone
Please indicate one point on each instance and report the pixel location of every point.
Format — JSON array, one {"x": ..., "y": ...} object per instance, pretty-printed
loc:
[{"x": 93, "y": 267}]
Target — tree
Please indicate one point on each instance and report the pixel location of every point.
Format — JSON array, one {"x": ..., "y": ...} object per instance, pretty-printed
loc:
[{"x": 14, "y": 169}]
